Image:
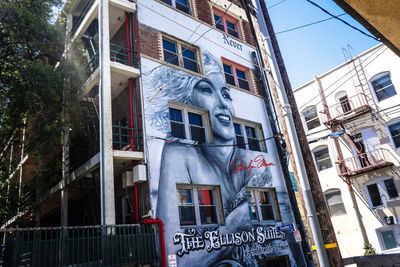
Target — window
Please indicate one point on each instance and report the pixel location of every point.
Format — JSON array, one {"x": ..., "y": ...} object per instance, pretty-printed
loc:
[
  {"x": 334, "y": 202},
  {"x": 199, "y": 205},
  {"x": 394, "y": 130},
  {"x": 247, "y": 136},
  {"x": 180, "y": 55},
  {"x": 383, "y": 87},
  {"x": 381, "y": 192},
  {"x": 226, "y": 23},
  {"x": 182, "y": 5},
  {"x": 188, "y": 124},
  {"x": 388, "y": 237},
  {"x": 344, "y": 103},
  {"x": 311, "y": 117},
  {"x": 236, "y": 75},
  {"x": 322, "y": 160},
  {"x": 262, "y": 204}
]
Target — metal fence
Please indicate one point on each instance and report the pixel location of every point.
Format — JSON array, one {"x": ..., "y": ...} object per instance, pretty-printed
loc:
[
  {"x": 116, "y": 245},
  {"x": 127, "y": 138}
]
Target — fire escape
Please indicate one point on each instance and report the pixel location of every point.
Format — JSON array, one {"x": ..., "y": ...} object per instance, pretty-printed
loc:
[{"x": 347, "y": 110}]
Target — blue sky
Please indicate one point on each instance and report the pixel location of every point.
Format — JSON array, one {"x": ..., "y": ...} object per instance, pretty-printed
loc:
[{"x": 318, "y": 48}]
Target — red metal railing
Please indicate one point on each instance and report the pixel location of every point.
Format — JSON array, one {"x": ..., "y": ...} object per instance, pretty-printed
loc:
[
  {"x": 364, "y": 162},
  {"x": 347, "y": 107}
]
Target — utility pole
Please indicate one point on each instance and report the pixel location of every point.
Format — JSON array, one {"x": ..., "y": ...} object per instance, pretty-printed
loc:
[{"x": 314, "y": 199}]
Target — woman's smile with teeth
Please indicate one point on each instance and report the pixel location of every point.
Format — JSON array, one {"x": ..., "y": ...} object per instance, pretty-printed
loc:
[{"x": 223, "y": 117}]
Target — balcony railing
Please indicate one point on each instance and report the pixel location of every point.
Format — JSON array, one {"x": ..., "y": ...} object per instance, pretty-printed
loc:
[
  {"x": 364, "y": 162},
  {"x": 82, "y": 16},
  {"x": 348, "y": 108},
  {"x": 92, "y": 65},
  {"x": 123, "y": 55},
  {"x": 127, "y": 138},
  {"x": 116, "y": 245}
]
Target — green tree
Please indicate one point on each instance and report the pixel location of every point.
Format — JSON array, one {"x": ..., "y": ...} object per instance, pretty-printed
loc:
[{"x": 34, "y": 86}]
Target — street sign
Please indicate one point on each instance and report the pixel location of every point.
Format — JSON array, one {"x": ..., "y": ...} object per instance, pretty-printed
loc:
[
  {"x": 338, "y": 133},
  {"x": 287, "y": 227},
  {"x": 297, "y": 236}
]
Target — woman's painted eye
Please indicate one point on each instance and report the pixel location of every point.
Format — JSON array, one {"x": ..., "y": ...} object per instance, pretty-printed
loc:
[
  {"x": 225, "y": 93},
  {"x": 206, "y": 89}
]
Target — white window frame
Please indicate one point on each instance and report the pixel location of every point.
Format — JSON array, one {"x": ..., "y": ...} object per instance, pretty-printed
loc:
[
  {"x": 377, "y": 77},
  {"x": 394, "y": 228},
  {"x": 273, "y": 200},
  {"x": 330, "y": 191},
  {"x": 186, "y": 109},
  {"x": 382, "y": 191},
  {"x": 258, "y": 129},
  {"x": 317, "y": 149},
  {"x": 216, "y": 196},
  {"x": 316, "y": 118},
  {"x": 392, "y": 122}
]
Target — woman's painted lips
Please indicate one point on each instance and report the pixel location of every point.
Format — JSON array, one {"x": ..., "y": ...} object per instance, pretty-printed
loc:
[{"x": 223, "y": 118}]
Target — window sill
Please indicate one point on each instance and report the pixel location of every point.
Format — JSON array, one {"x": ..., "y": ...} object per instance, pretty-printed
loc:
[{"x": 243, "y": 90}]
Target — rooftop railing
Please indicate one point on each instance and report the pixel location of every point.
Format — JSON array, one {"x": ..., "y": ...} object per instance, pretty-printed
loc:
[
  {"x": 347, "y": 108},
  {"x": 82, "y": 16},
  {"x": 111, "y": 245},
  {"x": 364, "y": 162}
]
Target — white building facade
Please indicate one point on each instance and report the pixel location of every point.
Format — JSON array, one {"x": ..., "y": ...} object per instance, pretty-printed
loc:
[{"x": 351, "y": 116}]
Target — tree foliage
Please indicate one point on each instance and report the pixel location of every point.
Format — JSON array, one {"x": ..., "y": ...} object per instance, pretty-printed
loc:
[{"x": 33, "y": 89}]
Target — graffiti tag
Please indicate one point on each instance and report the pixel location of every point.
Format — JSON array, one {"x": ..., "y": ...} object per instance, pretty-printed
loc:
[
  {"x": 231, "y": 42},
  {"x": 256, "y": 163}
]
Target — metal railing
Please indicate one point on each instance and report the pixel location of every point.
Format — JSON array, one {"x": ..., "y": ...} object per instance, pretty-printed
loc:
[
  {"x": 364, "y": 162},
  {"x": 111, "y": 245},
  {"x": 123, "y": 55},
  {"x": 346, "y": 107},
  {"x": 127, "y": 138},
  {"x": 82, "y": 16},
  {"x": 92, "y": 65}
]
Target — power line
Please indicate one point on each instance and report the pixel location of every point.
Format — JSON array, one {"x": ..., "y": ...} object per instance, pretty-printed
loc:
[
  {"x": 309, "y": 24},
  {"x": 345, "y": 22},
  {"x": 347, "y": 73},
  {"x": 280, "y": 2}
]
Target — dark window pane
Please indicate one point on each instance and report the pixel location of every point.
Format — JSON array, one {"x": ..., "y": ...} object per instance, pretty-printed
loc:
[
  {"x": 178, "y": 130},
  {"x": 391, "y": 188},
  {"x": 253, "y": 144},
  {"x": 208, "y": 215},
  {"x": 170, "y": 46},
  {"x": 311, "y": 118},
  {"x": 182, "y": 5},
  {"x": 322, "y": 159},
  {"x": 229, "y": 79},
  {"x": 241, "y": 74},
  {"x": 219, "y": 23},
  {"x": 167, "y": 1},
  {"x": 384, "y": 88},
  {"x": 374, "y": 195},
  {"x": 228, "y": 69},
  {"x": 198, "y": 134},
  {"x": 395, "y": 132},
  {"x": 190, "y": 65},
  {"x": 171, "y": 58},
  {"x": 188, "y": 53},
  {"x": 267, "y": 212},
  {"x": 238, "y": 129},
  {"x": 243, "y": 84},
  {"x": 344, "y": 102},
  {"x": 240, "y": 142},
  {"x": 250, "y": 132},
  {"x": 335, "y": 202},
  {"x": 251, "y": 205},
  {"x": 186, "y": 215},
  {"x": 195, "y": 119},
  {"x": 175, "y": 115},
  {"x": 185, "y": 197},
  {"x": 389, "y": 239}
]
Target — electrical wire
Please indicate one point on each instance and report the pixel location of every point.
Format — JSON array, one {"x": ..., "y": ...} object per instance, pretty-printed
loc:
[
  {"x": 339, "y": 79},
  {"x": 345, "y": 22},
  {"x": 309, "y": 24},
  {"x": 274, "y": 5}
]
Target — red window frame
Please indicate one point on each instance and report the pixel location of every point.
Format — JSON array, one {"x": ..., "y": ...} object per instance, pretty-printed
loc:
[
  {"x": 234, "y": 67},
  {"x": 231, "y": 19}
]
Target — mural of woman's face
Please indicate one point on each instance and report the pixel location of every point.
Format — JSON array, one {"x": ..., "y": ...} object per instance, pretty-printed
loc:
[{"x": 212, "y": 94}]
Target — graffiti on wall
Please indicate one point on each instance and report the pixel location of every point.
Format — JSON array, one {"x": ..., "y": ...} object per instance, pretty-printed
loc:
[{"x": 209, "y": 226}]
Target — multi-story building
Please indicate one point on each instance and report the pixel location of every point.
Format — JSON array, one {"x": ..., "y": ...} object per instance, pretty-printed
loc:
[
  {"x": 178, "y": 134},
  {"x": 351, "y": 116}
]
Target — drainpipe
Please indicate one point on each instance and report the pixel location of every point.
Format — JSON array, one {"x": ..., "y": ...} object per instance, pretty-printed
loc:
[
  {"x": 162, "y": 241},
  {"x": 340, "y": 158}
]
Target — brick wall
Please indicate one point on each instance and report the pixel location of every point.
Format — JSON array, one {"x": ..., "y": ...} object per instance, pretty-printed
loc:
[
  {"x": 150, "y": 43},
  {"x": 203, "y": 11},
  {"x": 247, "y": 34}
]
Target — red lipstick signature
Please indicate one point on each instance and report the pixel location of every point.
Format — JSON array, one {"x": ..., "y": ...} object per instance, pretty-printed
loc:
[{"x": 256, "y": 163}]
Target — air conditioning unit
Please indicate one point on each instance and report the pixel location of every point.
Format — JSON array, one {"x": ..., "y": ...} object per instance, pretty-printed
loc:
[
  {"x": 127, "y": 179},
  {"x": 139, "y": 173}
]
